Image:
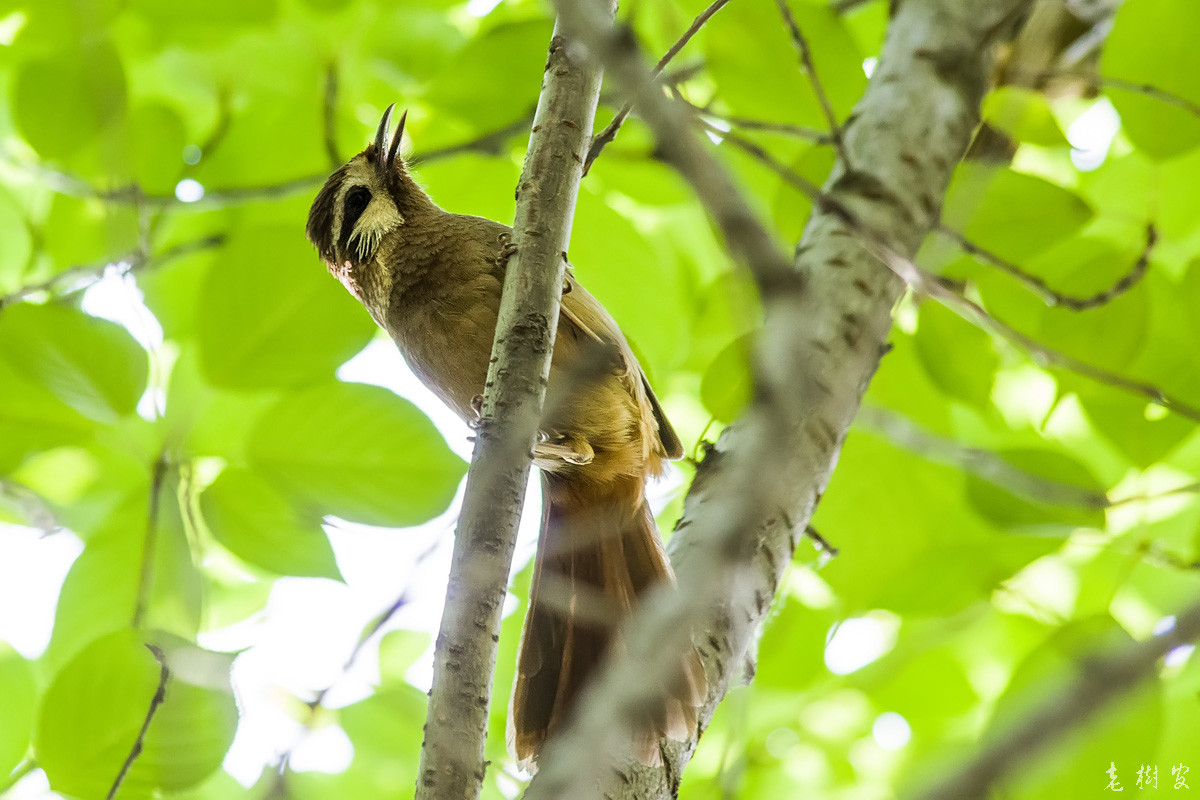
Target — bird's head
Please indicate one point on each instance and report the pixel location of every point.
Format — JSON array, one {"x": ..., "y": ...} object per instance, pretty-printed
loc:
[{"x": 362, "y": 202}]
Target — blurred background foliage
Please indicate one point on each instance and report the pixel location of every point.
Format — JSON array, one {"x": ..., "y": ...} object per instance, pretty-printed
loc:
[{"x": 172, "y": 148}]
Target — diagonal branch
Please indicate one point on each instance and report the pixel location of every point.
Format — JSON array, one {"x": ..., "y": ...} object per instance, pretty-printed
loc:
[
  {"x": 826, "y": 321},
  {"x": 1102, "y": 679},
  {"x": 452, "y": 764}
]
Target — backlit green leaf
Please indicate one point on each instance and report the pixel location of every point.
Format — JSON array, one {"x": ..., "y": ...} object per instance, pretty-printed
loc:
[{"x": 358, "y": 452}]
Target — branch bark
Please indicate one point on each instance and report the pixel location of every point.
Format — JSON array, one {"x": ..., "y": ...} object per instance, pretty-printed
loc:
[
  {"x": 826, "y": 320},
  {"x": 452, "y": 755}
]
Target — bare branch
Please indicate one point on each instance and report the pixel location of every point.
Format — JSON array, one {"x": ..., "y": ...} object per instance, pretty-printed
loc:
[
  {"x": 160, "y": 694},
  {"x": 810, "y": 68},
  {"x": 488, "y": 143},
  {"x": 601, "y": 140},
  {"x": 452, "y": 765},
  {"x": 1053, "y": 297},
  {"x": 1100, "y": 679},
  {"x": 76, "y": 279}
]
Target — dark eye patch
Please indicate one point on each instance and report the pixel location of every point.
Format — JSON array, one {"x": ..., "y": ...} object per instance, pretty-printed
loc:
[{"x": 355, "y": 203}]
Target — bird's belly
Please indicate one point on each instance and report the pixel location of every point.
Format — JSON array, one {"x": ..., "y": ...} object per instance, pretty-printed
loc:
[{"x": 450, "y": 354}]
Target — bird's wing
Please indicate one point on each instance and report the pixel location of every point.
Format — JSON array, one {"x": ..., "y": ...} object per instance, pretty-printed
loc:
[{"x": 587, "y": 314}]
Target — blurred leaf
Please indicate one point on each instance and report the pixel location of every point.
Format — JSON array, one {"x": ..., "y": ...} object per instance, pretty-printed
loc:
[
  {"x": 63, "y": 102},
  {"x": 1013, "y": 511},
  {"x": 399, "y": 650},
  {"x": 90, "y": 364},
  {"x": 958, "y": 356},
  {"x": 91, "y": 715},
  {"x": 258, "y": 525},
  {"x": 505, "y": 64},
  {"x": 32, "y": 418},
  {"x": 358, "y": 452},
  {"x": 274, "y": 316},
  {"x": 728, "y": 383},
  {"x": 105, "y": 585},
  {"x": 16, "y": 712},
  {"x": 1151, "y": 45},
  {"x": 96, "y": 706},
  {"x": 1024, "y": 115},
  {"x": 1010, "y": 213},
  {"x": 1127, "y": 733}
]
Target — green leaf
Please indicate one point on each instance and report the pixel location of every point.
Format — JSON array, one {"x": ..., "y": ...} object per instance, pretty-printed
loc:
[
  {"x": 92, "y": 712},
  {"x": 16, "y": 711},
  {"x": 1126, "y": 733},
  {"x": 274, "y": 316},
  {"x": 749, "y": 41},
  {"x": 356, "y": 451},
  {"x": 1151, "y": 44},
  {"x": 1010, "y": 213},
  {"x": 32, "y": 419},
  {"x": 91, "y": 364},
  {"x": 1014, "y": 511},
  {"x": 506, "y": 64},
  {"x": 398, "y": 651},
  {"x": 258, "y": 525},
  {"x": 958, "y": 356},
  {"x": 128, "y": 562},
  {"x": 63, "y": 102},
  {"x": 96, "y": 706},
  {"x": 728, "y": 383},
  {"x": 610, "y": 255},
  {"x": 1024, "y": 115}
]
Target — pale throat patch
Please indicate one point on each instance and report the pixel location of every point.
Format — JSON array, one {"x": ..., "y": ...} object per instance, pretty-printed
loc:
[{"x": 378, "y": 219}]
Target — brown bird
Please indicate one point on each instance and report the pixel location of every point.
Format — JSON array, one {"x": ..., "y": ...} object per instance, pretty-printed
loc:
[{"x": 432, "y": 280}]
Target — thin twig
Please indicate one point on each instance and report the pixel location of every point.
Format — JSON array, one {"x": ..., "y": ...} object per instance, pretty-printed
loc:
[
  {"x": 1054, "y": 297},
  {"x": 810, "y": 67},
  {"x": 1095, "y": 82},
  {"x": 842, "y": 6},
  {"x": 828, "y": 551},
  {"x": 601, "y": 140},
  {"x": 62, "y": 183},
  {"x": 79, "y": 278},
  {"x": 150, "y": 540},
  {"x": 931, "y": 286},
  {"x": 329, "y": 116},
  {"x": 160, "y": 694}
]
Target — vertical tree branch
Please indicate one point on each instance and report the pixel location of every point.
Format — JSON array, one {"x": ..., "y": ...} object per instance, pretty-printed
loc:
[
  {"x": 826, "y": 321},
  {"x": 452, "y": 764}
]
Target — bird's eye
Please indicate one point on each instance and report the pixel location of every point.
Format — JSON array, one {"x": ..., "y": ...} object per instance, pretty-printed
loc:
[{"x": 355, "y": 203}]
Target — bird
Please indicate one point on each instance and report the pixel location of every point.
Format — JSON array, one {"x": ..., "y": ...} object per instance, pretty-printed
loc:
[{"x": 432, "y": 279}]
